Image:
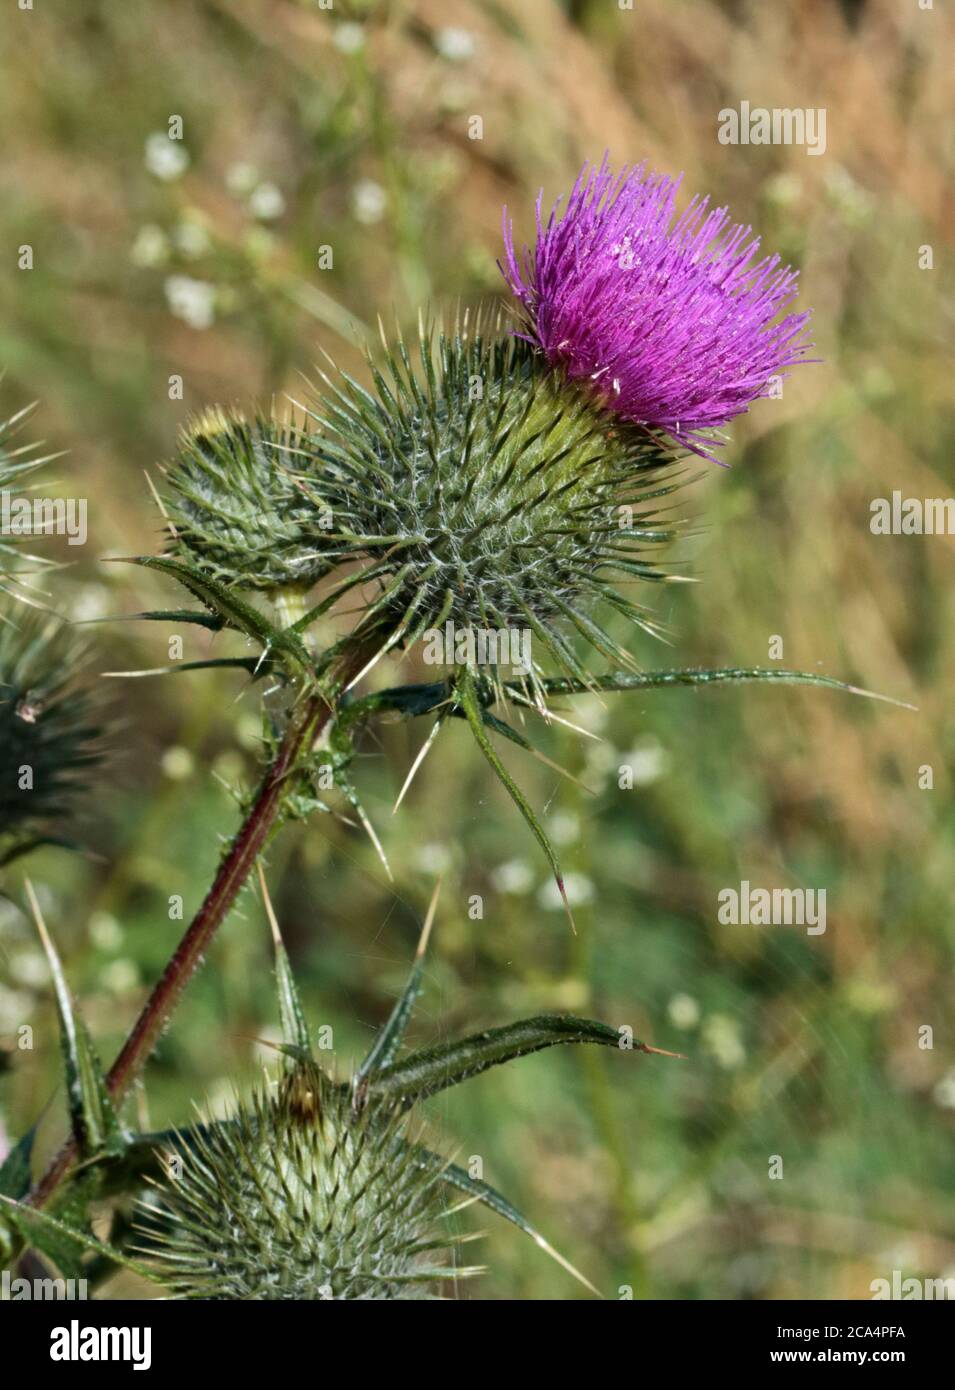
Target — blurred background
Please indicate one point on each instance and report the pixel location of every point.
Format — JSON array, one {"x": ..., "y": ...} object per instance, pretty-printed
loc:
[{"x": 349, "y": 126}]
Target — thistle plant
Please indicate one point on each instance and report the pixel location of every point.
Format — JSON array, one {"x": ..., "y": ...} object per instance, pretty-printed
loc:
[
  {"x": 18, "y": 464},
  {"x": 49, "y": 725},
  {"x": 515, "y": 468},
  {"x": 49, "y": 729},
  {"x": 671, "y": 318}
]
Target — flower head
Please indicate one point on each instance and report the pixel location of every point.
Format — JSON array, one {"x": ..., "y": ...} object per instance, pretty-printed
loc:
[
  {"x": 235, "y": 506},
  {"x": 672, "y": 317},
  {"x": 49, "y": 733}
]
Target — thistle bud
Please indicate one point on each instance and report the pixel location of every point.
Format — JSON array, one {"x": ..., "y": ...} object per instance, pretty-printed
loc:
[
  {"x": 237, "y": 507},
  {"x": 300, "y": 1197},
  {"x": 48, "y": 733}
]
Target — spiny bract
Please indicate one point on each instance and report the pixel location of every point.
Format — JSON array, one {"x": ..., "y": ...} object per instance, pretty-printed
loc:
[
  {"x": 300, "y": 1196},
  {"x": 48, "y": 734},
  {"x": 236, "y": 508},
  {"x": 477, "y": 487},
  {"x": 489, "y": 492}
]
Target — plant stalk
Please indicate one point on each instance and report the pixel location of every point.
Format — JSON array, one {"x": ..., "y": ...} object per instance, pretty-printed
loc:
[{"x": 304, "y": 728}]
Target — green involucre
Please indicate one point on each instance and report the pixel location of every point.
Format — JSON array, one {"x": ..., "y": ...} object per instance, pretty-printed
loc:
[
  {"x": 475, "y": 487},
  {"x": 490, "y": 492},
  {"x": 236, "y": 507},
  {"x": 301, "y": 1196},
  {"x": 48, "y": 731}
]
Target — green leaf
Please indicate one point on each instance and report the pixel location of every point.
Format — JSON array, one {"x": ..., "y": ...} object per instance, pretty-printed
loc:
[
  {"x": 233, "y": 611},
  {"x": 95, "y": 1125},
  {"x": 294, "y": 1027},
  {"x": 15, "y": 1169},
  {"x": 388, "y": 1042},
  {"x": 165, "y": 615},
  {"x": 431, "y": 1070},
  {"x": 474, "y": 713},
  {"x": 736, "y": 675},
  {"x": 497, "y": 1202},
  {"x": 65, "y": 1243}
]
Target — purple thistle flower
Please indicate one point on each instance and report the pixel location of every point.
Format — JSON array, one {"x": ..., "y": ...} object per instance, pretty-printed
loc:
[{"x": 672, "y": 320}]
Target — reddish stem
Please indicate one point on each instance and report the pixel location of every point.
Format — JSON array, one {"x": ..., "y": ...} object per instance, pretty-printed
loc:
[{"x": 250, "y": 839}]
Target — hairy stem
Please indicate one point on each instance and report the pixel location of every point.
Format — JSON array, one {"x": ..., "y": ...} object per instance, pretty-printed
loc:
[{"x": 305, "y": 725}]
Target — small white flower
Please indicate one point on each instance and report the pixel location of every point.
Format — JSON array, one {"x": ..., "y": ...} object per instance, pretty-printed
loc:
[
  {"x": 121, "y": 975},
  {"x": 105, "y": 931},
  {"x": 684, "y": 1011},
  {"x": 648, "y": 760},
  {"x": 92, "y": 603},
  {"x": 241, "y": 178},
  {"x": 432, "y": 859},
  {"x": 368, "y": 201},
  {"x": 16, "y": 1007},
  {"x": 944, "y": 1092},
  {"x": 267, "y": 202},
  {"x": 455, "y": 44},
  {"x": 191, "y": 239},
  {"x": 602, "y": 759},
  {"x": 193, "y": 301},
  {"x": 165, "y": 159},
  {"x": 563, "y": 827},
  {"x": 177, "y": 763},
  {"x": 29, "y": 967},
  {"x": 722, "y": 1040},
  {"x": 516, "y": 876},
  {"x": 151, "y": 247},
  {"x": 349, "y": 38}
]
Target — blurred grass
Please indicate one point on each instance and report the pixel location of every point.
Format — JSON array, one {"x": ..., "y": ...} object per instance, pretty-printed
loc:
[{"x": 643, "y": 1171}]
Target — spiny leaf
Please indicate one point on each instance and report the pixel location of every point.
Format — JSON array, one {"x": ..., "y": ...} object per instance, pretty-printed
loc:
[
  {"x": 15, "y": 1169},
  {"x": 233, "y": 611},
  {"x": 15, "y": 1180},
  {"x": 496, "y": 1202},
  {"x": 294, "y": 1027},
  {"x": 256, "y": 667},
  {"x": 389, "y": 1039},
  {"x": 63, "y": 1242},
  {"x": 468, "y": 699},
  {"x": 654, "y": 680},
  {"x": 435, "y": 1069},
  {"x": 212, "y": 621},
  {"x": 95, "y": 1125}
]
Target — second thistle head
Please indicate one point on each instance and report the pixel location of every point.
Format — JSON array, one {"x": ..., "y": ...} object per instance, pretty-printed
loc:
[{"x": 236, "y": 505}]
